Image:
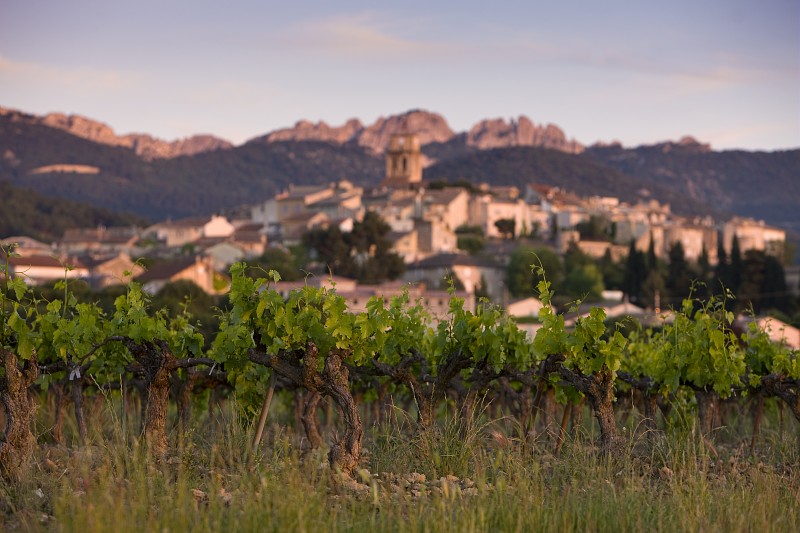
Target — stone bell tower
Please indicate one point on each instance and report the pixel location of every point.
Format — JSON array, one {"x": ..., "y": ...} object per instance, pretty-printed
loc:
[{"x": 403, "y": 162}]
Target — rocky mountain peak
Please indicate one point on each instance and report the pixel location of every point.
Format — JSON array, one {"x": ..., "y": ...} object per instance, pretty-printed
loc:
[
  {"x": 305, "y": 130},
  {"x": 497, "y": 133},
  {"x": 83, "y": 127},
  {"x": 143, "y": 145},
  {"x": 686, "y": 144},
  {"x": 429, "y": 127}
]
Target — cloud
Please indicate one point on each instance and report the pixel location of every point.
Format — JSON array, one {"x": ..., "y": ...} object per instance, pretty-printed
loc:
[
  {"x": 750, "y": 135},
  {"x": 32, "y": 74},
  {"x": 362, "y": 36}
]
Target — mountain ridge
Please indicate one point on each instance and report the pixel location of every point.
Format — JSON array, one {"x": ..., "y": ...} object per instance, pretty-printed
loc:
[
  {"x": 141, "y": 144},
  {"x": 685, "y": 173}
]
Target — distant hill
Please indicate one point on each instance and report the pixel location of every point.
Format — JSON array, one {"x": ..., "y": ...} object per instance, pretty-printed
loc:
[
  {"x": 763, "y": 185},
  {"x": 34, "y": 156},
  {"x": 523, "y": 165},
  {"x": 688, "y": 175},
  {"x": 29, "y": 213}
]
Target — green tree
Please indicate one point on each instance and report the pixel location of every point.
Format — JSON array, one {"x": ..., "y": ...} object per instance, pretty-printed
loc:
[
  {"x": 613, "y": 271},
  {"x": 635, "y": 273},
  {"x": 507, "y": 227},
  {"x": 736, "y": 270},
  {"x": 597, "y": 228},
  {"x": 520, "y": 277},
  {"x": 575, "y": 258},
  {"x": 328, "y": 246},
  {"x": 470, "y": 243},
  {"x": 281, "y": 261},
  {"x": 774, "y": 291},
  {"x": 585, "y": 281},
  {"x": 654, "y": 289},
  {"x": 721, "y": 277},
  {"x": 679, "y": 275},
  {"x": 364, "y": 253},
  {"x": 652, "y": 258}
]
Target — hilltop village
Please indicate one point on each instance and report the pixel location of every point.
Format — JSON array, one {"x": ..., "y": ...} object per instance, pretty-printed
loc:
[{"x": 422, "y": 237}]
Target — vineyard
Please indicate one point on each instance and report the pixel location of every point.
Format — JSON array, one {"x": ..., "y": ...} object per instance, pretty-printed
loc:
[{"x": 297, "y": 413}]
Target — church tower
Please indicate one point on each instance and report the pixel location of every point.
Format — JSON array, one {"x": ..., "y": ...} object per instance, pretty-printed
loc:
[{"x": 403, "y": 162}]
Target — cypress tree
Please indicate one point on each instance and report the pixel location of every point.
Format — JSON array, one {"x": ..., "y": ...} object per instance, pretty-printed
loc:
[
  {"x": 736, "y": 267},
  {"x": 721, "y": 273}
]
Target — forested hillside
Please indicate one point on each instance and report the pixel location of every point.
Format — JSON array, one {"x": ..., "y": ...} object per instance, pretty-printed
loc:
[
  {"x": 763, "y": 185},
  {"x": 175, "y": 188},
  {"x": 26, "y": 212},
  {"x": 522, "y": 165}
]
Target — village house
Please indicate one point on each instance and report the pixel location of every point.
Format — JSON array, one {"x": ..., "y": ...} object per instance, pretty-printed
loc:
[
  {"x": 99, "y": 241},
  {"x": 196, "y": 269},
  {"x": 41, "y": 269},
  {"x": 527, "y": 307},
  {"x": 753, "y": 235},
  {"x": 448, "y": 206},
  {"x": 613, "y": 309},
  {"x": 345, "y": 202},
  {"x": 597, "y": 249},
  {"x": 491, "y": 205},
  {"x": 396, "y": 208},
  {"x": 405, "y": 244},
  {"x": 471, "y": 271},
  {"x": 778, "y": 331},
  {"x": 23, "y": 245},
  {"x": 694, "y": 236},
  {"x": 185, "y": 231},
  {"x": 111, "y": 269},
  {"x": 252, "y": 238},
  {"x": 296, "y": 199},
  {"x": 436, "y": 302},
  {"x": 295, "y": 226},
  {"x": 223, "y": 254}
]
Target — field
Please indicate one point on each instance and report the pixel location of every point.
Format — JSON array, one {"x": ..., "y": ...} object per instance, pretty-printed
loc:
[
  {"x": 476, "y": 478},
  {"x": 137, "y": 419}
]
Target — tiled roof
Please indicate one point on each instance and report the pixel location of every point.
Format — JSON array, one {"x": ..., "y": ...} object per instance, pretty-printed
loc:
[
  {"x": 191, "y": 222},
  {"x": 43, "y": 261},
  {"x": 443, "y": 196},
  {"x": 166, "y": 269},
  {"x": 449, "y": 260}
]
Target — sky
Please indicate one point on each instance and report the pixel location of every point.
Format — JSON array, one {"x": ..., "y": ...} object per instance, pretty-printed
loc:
[{"x": 724, "y": 71}]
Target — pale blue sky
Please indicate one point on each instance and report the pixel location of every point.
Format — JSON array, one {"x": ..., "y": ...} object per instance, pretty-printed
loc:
[{"x": 725, "y": 71}]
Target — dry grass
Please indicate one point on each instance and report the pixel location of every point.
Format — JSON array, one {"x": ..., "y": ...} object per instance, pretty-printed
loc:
[{"x": 668, "y": 482}]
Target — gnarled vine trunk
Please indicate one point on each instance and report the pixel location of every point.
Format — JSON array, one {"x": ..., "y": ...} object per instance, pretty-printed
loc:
[
  {"x": 18, "y": 442},
  {"x": 60, "y": 401},
  {"x": 706, "y": 410},
  {"x": 77, "y": 402},
  {"x": 309, "y": 419},
  {"x": 786, "y": 389},
  {"x": 599, "y": 391},
  {"x": 650, "y": 410},
  {"x": 345, "y": 453},
  {"x": 182, "y": 391},
  {"x": 157, "y": 362},
  {"x": 300, "y": 367}
]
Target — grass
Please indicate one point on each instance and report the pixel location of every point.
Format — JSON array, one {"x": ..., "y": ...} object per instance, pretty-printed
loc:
[{"x": 669, "y": 481}]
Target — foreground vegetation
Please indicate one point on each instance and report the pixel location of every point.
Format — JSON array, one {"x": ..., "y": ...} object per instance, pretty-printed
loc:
[{"x": 388, "y": 418}]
